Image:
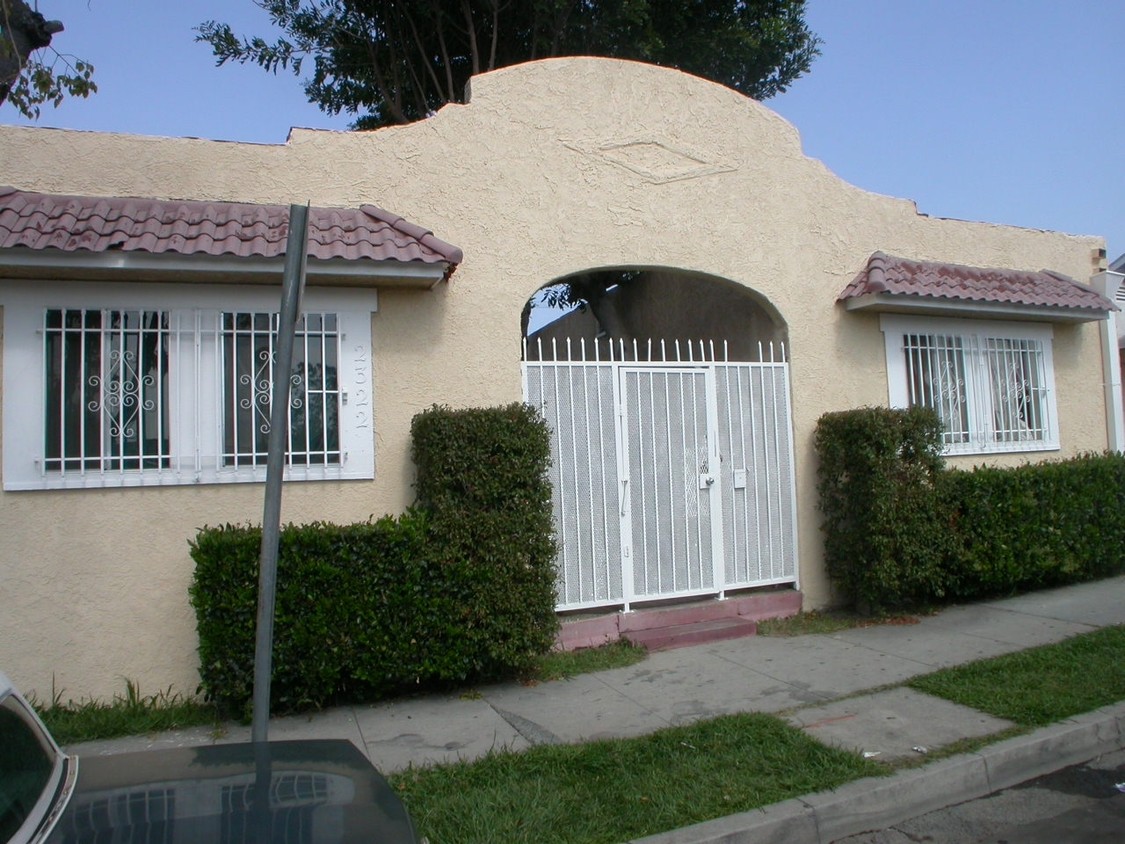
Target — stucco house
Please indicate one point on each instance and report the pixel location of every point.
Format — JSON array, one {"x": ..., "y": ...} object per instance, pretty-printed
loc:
[{"x": 737, "y": 290}]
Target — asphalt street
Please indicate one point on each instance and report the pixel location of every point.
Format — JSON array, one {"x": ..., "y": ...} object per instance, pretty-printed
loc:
[{"x": 1082, "y": 804}]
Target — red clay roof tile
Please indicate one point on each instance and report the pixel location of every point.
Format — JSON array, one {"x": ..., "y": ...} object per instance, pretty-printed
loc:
[
  {"x": 887, "y": 274},
  {"x": 99, "y": 224}
]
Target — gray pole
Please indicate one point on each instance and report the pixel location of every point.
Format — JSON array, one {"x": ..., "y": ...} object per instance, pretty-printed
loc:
[{"x": 292, "y": 283}]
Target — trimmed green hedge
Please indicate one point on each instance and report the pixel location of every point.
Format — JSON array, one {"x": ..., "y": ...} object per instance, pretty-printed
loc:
[
  {"x": 482, "y": 477},
  {"x": 903, "y": 530},
  {"x": 458, "y": 589},
  {"x": 1037, "y": 525},
  {"x": 885, "y": 541}
]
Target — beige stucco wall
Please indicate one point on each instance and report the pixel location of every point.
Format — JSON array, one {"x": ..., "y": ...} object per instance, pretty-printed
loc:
[{"x": 552, "y": 168}]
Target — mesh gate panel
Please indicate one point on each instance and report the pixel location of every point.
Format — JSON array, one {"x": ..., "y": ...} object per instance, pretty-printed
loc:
[
  {"x": 633, "y": 500},
  {"x": 671, "y": 516},
  {"x": 578, "y": 405},
  {"x": 755, "y": 442}
]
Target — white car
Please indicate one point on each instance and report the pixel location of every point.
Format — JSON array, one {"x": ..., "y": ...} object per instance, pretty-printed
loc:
[{"x": 293, "y": 791}]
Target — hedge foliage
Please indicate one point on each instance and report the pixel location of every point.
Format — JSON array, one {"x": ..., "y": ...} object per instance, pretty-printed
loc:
[
  {"x": 903, "y": 530},
  {"x": 459, "y": 588}
]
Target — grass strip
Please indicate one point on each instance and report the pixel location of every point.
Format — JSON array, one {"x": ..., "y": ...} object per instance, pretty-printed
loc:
[
  {"x": 124, "y": 715},
  {"x": 132, "y": 713},
  {"x": 1040, "y": 685},
  {"x": 616, "y": 790},
  {"x": 559, "y": 665}
]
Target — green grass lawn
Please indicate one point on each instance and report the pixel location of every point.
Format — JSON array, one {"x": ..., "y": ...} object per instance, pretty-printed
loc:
[
  {"x": 611, "y": 791},
  {"x": 126, "y": 714},
  {"x": 1041, "y": 685}
]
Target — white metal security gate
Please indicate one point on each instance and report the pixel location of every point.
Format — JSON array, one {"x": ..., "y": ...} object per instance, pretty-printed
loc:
[{"x": 672, "y": 471}]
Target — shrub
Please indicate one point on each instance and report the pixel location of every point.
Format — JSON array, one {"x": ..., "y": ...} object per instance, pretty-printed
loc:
[
  {"x": 458, "y": 589},
  {"x": 482, "y": 477},
  {"x": 901, "y": 530},
  {"x": 1037, "y": 525},
  {"x": 885, "y": 541}
]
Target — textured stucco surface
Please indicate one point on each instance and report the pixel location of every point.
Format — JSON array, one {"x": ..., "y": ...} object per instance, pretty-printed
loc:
[{"x": 553, "y": 168}]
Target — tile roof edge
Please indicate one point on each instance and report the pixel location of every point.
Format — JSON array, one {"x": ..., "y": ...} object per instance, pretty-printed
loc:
[
  {"x": 877, "y": 272},
  {"x": 7, "y": 190},
  {"x": 872, "y": 280},
  {"x": 453, "y": 254}
]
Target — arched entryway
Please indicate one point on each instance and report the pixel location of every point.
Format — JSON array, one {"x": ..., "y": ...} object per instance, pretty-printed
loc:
[{"x": 667, "y": 394}]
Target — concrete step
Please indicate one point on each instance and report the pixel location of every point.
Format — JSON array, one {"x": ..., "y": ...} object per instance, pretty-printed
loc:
[
  {"x": 697, "y": 633},
  {"x": 598, "y": 628}
]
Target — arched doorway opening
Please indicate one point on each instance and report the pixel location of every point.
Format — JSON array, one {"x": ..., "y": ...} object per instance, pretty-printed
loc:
[{"x": 667, "y": 394}]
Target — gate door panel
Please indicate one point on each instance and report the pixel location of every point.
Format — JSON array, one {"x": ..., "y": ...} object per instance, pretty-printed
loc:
[
  {"x": 671, "y": 477},
  {"x": 668, "y": 483},
  {"x": 578, "y": 402},
  {"x": 758, "y": 499}
]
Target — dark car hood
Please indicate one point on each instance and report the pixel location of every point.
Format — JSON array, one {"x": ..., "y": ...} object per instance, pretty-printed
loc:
[{"x": 298, "y": 792}]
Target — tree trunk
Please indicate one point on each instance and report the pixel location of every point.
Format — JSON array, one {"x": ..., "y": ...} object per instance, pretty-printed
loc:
[{"x": 24, "y": 31}]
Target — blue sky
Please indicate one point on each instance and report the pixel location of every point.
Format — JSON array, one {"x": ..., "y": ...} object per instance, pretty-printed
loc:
[{"x": 1005, "y": 111}]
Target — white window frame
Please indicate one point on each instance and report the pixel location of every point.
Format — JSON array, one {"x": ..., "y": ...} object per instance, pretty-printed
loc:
[
  {"x": 195, "y": 389},
  {"x": 974, "y": 336}
]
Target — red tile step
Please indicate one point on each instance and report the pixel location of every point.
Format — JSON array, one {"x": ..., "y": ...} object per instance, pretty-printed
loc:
[
  {"x": 598, "y": 628},
  {"x": 697, "y": 633}
]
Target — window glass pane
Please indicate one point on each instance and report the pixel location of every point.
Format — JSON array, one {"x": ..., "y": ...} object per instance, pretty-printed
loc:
[
  {"x": 935, "y": 366},
  {"x": 1017, "y": 391},
  {"x": 106, "y": 405},
  {"x": 249, "y": 353}
]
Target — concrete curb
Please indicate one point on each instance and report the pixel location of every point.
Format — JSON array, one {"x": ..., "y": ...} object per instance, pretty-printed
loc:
[{"x": 876, "y": 803}]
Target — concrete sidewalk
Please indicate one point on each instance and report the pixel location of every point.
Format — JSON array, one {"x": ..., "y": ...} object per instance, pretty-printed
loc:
[{"x": 813, "y": 679}]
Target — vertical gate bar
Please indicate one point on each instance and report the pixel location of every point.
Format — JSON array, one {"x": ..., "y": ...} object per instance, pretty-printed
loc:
[
  {"x": 628, "y": 553},
  {"x": 655, "y": 491},
  {"x": 716, "y": 491},
  {"x": 747, "y": 466},
  {"x": 666, "y": 401},
  {"x": 795, "y": 560},
  {"x": 591, "y": 503},
  {"x": 697, "y": 446},
  {"x": 560, "y": 490},
  {"x": 728, "y": 462},
  {"x": 685, "y": 384},
  {"x": 766, "y": 445},
  {"x": 607, "y": 495},
  {"x": 776, "y": 405},
  {"x": 574, "y": 458}
]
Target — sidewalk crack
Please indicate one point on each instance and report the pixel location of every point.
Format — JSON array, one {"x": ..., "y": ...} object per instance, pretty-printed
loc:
[{"x": 531, "y": 732}]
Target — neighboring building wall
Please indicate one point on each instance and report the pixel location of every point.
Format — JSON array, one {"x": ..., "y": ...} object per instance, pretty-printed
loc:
[{"x": 553, "y": 168}]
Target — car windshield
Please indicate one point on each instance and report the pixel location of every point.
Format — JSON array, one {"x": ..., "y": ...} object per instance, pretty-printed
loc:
[{"x": 26, "y": 767}]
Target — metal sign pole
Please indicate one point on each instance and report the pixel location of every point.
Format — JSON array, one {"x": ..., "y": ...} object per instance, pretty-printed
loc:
[{"x": 292, "y": 283}]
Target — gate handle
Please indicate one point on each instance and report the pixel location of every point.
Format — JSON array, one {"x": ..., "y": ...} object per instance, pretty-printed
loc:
[{"x": 624, "y": 485}]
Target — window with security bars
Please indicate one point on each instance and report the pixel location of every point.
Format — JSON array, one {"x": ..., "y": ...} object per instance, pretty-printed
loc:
[
  {"x": 992, "y": 386},
  {"x": 106, "y": 389},
  {"x": 249, "y": 352},
  {"x": 103, "y": 391}
]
